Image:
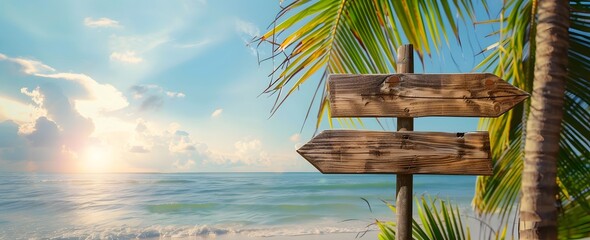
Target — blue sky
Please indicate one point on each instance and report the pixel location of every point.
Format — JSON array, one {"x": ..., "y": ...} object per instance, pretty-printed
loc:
[{"x": 165, "y": 86}]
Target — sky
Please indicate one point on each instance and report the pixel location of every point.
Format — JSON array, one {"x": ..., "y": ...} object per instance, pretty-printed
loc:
[{"x": 164, "y": 86}]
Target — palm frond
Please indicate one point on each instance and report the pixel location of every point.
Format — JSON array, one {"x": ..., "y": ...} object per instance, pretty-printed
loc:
[
  {"x": 509, "y": 59},
  {"x": 438, "y": 220},
  {"x": 343, "y": 36},
  {"x": 574, "y": 220},
  {"x": 499, "y": 193}
]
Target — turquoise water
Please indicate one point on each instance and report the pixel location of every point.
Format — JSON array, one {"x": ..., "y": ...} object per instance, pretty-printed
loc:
[{"x": 147, "y": 206}]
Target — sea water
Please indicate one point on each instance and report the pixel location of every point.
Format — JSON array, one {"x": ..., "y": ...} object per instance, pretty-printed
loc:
[{"x": 203, "y": 205}]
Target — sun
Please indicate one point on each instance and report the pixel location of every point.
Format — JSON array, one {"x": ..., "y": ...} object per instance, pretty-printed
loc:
[{"x": 97, "y": 159}]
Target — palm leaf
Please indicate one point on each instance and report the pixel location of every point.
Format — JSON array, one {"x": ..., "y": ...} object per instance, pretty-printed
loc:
[
  {"x": 344, "y": 36},
  {"x": 498, "y": 194},
  {"x": 438, "y": 220},
  {"x": 574, "y": 221}
]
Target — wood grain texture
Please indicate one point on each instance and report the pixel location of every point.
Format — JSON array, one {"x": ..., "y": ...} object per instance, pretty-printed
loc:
[
  {"x": 404, "y": 183},
  {"x": 420, "y": 95},
  {"x": 349, "y": 151}
]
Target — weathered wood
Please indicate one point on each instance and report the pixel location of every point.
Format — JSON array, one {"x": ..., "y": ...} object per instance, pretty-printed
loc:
[
  {"x": 404, "y": 182},
  {"x": 419, "y": 95},
  {"x": 348, "y": 151},
  {"x": 403, "y": 202}
]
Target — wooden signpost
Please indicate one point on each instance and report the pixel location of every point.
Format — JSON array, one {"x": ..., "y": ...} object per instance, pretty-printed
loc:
[{"x": 405, "y": 95}]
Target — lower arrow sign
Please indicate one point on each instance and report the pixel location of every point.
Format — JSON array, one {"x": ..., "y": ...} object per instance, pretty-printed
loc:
[{"x": 350, "y": 151}]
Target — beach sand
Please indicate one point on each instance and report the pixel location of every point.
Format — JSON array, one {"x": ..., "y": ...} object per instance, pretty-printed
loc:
[
  {"x": 369, "y": 235},
  {"x": 332, "y": 236}
]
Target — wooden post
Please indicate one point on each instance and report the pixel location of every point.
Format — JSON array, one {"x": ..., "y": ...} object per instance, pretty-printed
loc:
[{"x": 404, "y": 188}]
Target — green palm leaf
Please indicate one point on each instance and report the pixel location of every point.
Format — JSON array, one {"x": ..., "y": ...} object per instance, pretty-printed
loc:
[
  {"x": 345, "y": 36},
  {"x": 438, "y": 220}
]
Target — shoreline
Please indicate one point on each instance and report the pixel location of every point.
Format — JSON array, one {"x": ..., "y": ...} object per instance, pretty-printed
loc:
[{"x": 325, "y": 236}]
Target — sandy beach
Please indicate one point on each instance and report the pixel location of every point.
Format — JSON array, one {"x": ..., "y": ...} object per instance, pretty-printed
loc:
[{"x": 344, "y": 236}]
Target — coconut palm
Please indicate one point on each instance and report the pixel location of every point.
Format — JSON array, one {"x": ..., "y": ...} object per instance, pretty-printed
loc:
[
  {"x": 514, "y": 58},
  {"x": 311, "y": 39},
  {"x": 538, "y": 211}
]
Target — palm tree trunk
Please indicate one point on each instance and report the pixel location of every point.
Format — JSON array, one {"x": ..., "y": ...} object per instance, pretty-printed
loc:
[{"x": 538, "y": 211}]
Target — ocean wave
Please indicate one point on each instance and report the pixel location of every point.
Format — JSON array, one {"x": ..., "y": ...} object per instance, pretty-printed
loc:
[
  {"x": 172, "y": 181},
  {"x": 378, "y": 185},
  {"x": 273, "y": 208},
  {"x": 192, "y": 232},
  {"x": 180, "y": 207},
  {"x": 83, "y": 181}
]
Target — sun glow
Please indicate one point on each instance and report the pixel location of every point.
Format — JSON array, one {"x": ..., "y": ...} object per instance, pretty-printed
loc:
[{"x": 97, "y": 159}]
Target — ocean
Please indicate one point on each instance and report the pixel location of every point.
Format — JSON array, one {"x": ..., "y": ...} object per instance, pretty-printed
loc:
[{"x": 204, "y": 205}]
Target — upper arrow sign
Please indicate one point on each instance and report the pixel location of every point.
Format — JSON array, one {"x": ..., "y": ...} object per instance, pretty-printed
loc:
[
  {"x": 348, "y": 151},
  {"x": 420, "y": 95}
]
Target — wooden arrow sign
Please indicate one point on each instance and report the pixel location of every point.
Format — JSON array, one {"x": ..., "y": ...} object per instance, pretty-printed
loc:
[
  {"x": 419, "y": 95},
  {"x": 348, "y": 151}
]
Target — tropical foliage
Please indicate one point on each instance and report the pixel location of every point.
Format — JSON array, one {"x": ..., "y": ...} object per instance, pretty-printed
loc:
[
  {"x": 445, "y": 223},
  {"x": 311, "y": 39},
  {"x": 335, "y": 36}
]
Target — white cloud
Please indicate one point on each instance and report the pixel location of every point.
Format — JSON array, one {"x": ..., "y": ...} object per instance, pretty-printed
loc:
[
  {"x": 184, "y": 166},
  {"x": 33, "y": 111},
  {"x": 142, "y": 137},
  {"x": 94, "y": 103},
  {"x": 28, "y": 66},
  {"x": 90, "y": 104},
  {"x": 35, "y": 95},
  {"x": 243, "y": 146},
  {"x": 248, "y": 31},
  {"x": 247, "y": 151},
  {"x": 152, "y": 102},
  {"x": 101, "y": 22},
  {"x": 140, "y": 90},
  {"x": 45, "y": 134},
  {"x": 217, "y": 113},
  {"x": 172, "y": 42},
  {"x": 175, "y": 94},
  {"x": 247, "y": 28},
  {"x": 64, "y": 122},
  {"x": 52, "y": 142},
  {"x": 173, "y": 127},
  {"x": 111, "y": 124},
  {"x": 126, "y": 57},
  {"x": 18, "y": 111},
  {"x": 295, "y": 137},
  {"x": 138, "y": 149},
  {"x": 138, "y": 44},
  {"x": 181, "y": 142},
  {"x": 197, "y": 44},
  {"x": 152, "y": 97},
  {"x": 170, "y": 148}
]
